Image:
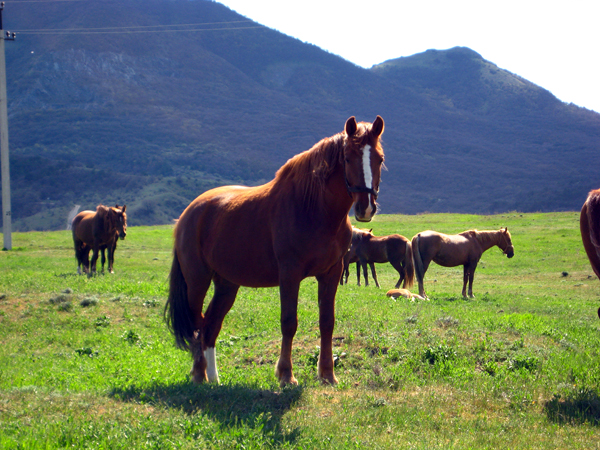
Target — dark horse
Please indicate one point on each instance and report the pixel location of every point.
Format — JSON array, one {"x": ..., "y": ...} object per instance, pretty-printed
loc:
[
  {"x": 369, "y": 249},
  {"x": 98, "y": 231},
  {"x": 589, "y": 224},
  {"x": 454, "y": 250},
  {"x": 295, "y": 226}
]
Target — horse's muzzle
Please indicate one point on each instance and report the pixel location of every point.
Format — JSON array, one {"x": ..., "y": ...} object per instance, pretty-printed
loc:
[
  {"x": 510, "y": 254},
  {"x": 122, "y": 236},
  {"x": 363, "y": 214}
]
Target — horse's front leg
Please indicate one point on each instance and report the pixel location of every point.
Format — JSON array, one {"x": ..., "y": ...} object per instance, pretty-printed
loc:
[
  {"x": 288, "y": 295},
  {"x": 374, "y": 274},
  {"x": 365, "y": 273},
  {"x": 110, "y": 248},
  {"x": 103, "y": 258},
  {"x": 358, "y": 273},
  {"x": 327, "y": 291}
]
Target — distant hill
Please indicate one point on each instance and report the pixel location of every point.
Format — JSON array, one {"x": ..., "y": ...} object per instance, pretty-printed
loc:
[{"x": 174, "y": 97}]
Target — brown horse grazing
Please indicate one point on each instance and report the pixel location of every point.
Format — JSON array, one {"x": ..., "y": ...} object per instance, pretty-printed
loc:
[
  {"x": 463, "y": 249},
  {"x": 98, "y": 231},
  {"x": 589, "y": 224},
  {"x": 395, "y": 249},
  {"x": 295, "y": 226}
]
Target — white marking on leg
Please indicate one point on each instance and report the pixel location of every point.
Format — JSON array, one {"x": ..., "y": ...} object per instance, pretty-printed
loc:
[{"x": 211, "y": 364}]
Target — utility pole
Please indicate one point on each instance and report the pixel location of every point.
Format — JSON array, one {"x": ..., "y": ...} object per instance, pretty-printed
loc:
[{"x": 6, "y": 208}]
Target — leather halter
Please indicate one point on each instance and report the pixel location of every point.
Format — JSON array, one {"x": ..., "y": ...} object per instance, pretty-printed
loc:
[
  {"x": 358, "y": 189},
  {"x": 351, "y": 189}
]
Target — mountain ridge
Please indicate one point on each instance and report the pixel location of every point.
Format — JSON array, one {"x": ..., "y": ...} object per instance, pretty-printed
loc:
[{"x": 154, "y": 119}]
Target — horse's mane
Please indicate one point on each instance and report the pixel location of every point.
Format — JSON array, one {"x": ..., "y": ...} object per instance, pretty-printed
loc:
[
  {"x": 309, "y": 170},
  {"x": 107, "y": 220},
  {"x": 483, "y": 236}
]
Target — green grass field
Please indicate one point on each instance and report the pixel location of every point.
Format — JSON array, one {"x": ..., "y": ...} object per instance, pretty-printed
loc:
[{"x": 89, "y": 363}]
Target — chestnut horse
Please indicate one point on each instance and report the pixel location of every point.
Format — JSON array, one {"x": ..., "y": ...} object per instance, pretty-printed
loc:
[
  {"x": 370, "y": 249},
  {"x": 351, "y": 257},
  {"x": 589, "y": 224},
  {"x": 98, "y": 231},
  {"x": 295, "y": 226},
  {"x": 463, "y": 249}
]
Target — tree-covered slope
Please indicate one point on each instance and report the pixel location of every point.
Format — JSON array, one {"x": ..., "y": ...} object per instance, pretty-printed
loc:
[{"x": 149, "y": 103}]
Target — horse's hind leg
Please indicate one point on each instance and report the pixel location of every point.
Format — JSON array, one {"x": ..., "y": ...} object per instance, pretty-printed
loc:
[
  {"x": 468, "y": 276},
  {"x": 85, "y": 258},
  {"x": 111, "y": 256},
  {"x": 471, "y": 272},
  {"x": 197, "y": 286},
  {"x": 78, "y": 250},
  {"x": 221, "y": 303},
  {"x": 400, "y": 269}
]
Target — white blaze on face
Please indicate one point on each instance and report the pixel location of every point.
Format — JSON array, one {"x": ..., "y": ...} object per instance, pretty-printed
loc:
[
  {"x": 366, "y": 161},
  {"x": 211, "y": 364}
]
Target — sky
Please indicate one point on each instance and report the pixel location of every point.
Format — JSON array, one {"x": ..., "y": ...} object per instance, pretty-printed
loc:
[{"x": 554, "y": 44}]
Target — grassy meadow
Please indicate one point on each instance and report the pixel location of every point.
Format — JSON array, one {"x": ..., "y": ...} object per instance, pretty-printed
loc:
[{"x": 89, "y": 363}]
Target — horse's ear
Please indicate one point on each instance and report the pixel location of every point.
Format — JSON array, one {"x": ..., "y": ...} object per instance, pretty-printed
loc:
[
  {"x": 351, "y": 126},
  {"x": 371, "y": 230},
  {"x": 505, "y": 229},
  {"x": 123, "y": 208},
  {"x": 378, "y": 126}
]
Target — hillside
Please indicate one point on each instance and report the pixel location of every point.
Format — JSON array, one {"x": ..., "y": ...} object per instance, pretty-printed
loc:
[{"x": 149, "y": 103}]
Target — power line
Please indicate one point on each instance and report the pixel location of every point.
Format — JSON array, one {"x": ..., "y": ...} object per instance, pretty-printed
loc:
[
  {"x": 138, "y": 31},
  {"x": 140, "y": 26},
  {"x": 132, "y": 29}
]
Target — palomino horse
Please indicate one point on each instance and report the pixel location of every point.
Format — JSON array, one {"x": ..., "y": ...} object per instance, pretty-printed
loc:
[
  {"x": 370, "y": 249},
  {"x": 589, "y": 224},
  {"x": 295, "y": 226},
  {"x": 98, "y": 231},
  {"x": 463, "y": 249}
]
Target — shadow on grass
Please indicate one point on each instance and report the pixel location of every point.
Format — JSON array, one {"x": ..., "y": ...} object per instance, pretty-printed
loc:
[
  {"x": 582, "y": 407},
  {"x": 229, "y": 406}
]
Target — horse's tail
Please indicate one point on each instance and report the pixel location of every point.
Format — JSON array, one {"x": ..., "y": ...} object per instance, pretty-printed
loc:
[
  {"x": 409, "y": 266},
  {"x": 419, "y": 269},
  {"x": 177, "y": 310},
  {"x": 76, "y": 242}
]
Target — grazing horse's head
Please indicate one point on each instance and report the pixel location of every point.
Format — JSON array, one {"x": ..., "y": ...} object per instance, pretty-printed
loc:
[
  {"x": 363, "y": 160},
  {"x": 506, "y": 243},
  {"x": 119, "y": 220}
]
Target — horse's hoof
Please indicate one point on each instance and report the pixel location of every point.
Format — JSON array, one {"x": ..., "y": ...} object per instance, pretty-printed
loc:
[
  {"x": 288, "y": 382},
  {"x": 198, "y": 378},
  {"x": 328, "y": 379},
  {"x": 285, "y": 377}
]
